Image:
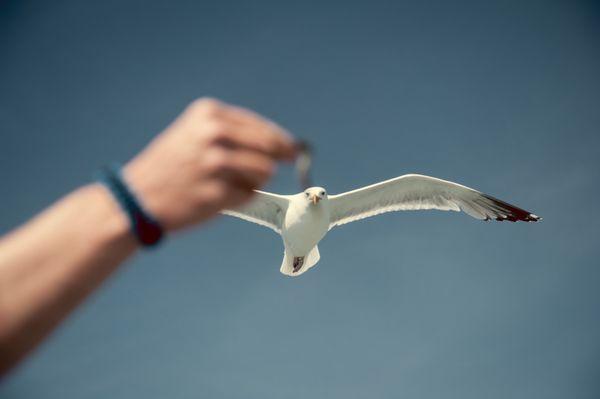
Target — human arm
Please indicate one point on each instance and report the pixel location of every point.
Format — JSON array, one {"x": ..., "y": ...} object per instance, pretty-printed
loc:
[{"x": 212, "y": 157}]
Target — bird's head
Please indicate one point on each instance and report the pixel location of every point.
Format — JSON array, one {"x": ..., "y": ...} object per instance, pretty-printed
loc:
[{"x": 315, "y": 194}]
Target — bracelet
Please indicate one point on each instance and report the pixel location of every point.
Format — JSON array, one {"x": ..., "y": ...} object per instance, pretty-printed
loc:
[{"x": 144, "y": 226}]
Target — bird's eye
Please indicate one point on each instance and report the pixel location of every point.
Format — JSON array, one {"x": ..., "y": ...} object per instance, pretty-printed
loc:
[
  {"x": 306, "y": 194},
  {"x": 322, "y": 192}
]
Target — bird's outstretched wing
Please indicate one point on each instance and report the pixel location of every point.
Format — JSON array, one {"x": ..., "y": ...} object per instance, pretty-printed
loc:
[
  {"x": 266, "y": 209},
  {"x": 412, "y": 192}
]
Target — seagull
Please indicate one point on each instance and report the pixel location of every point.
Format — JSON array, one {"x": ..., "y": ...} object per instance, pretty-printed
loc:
[{"x": 303, "y": 219}]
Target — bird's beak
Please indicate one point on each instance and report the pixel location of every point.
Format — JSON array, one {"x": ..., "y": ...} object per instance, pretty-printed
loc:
[{"x": 315, "y": 198}]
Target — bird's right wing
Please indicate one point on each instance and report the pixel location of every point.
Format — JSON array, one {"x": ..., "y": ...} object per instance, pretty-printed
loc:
[
  {"x": 266, "y": 209},
  {"x": 411, "y": 192}
]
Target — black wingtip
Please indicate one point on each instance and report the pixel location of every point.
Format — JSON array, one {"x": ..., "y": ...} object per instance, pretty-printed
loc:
[{"x": 513, "y": 213}]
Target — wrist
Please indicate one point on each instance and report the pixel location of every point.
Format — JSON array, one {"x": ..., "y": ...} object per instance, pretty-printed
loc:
[
  {"x": 114, "y": 225},
  {"x": 145, "y": 188},
  {"x": 144, "y": 226}
]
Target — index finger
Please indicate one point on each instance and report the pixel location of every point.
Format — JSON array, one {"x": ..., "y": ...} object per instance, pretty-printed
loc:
[
  {"x": 261, "y": 140},
  {"x": 254, "y": 131}
]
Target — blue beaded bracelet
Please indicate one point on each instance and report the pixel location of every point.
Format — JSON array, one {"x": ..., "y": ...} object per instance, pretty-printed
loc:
[{"x": 144, "y": 226}]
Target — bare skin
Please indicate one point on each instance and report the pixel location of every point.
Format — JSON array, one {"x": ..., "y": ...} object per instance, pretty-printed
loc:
[{"x": 211, "y": 157}]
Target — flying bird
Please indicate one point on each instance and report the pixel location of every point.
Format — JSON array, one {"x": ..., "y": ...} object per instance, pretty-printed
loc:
[{"x": 303, "y": 219}]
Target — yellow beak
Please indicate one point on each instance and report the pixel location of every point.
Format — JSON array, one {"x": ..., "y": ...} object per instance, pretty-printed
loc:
[{"x": 315, "y": 198}]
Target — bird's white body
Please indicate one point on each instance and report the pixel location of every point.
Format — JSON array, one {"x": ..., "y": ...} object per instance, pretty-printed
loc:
[
  {"x": 303, "y": 219},
  {"x": 304, "y": 225}
]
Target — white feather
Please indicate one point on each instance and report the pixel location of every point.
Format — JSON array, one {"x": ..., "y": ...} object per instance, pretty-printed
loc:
[
  {"x": 265, "y": 209},
  {"x": 414, "y": 192}
]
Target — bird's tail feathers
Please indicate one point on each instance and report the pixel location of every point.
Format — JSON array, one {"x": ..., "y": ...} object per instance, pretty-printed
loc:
[{"x": 287, "y": 266}]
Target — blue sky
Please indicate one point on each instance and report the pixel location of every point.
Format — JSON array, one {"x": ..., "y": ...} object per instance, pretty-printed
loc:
[{"x": 500, "y": 96}]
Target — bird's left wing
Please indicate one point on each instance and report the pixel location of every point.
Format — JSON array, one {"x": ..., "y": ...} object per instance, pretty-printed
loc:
[
  {"x": 412, "y": 192},
  {"x": 266, "y": 209}
]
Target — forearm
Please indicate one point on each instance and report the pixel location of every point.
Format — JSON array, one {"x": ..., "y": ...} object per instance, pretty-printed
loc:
[
  {"x": 210, "y": 158},
  {"x": 49, "y": 265}
]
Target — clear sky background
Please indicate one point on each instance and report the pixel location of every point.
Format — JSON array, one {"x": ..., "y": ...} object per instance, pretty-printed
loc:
[{"x": 501, "y": 96}]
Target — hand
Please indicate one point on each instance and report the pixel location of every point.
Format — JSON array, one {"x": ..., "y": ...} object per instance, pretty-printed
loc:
[{"x": 211, "y": 157}]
